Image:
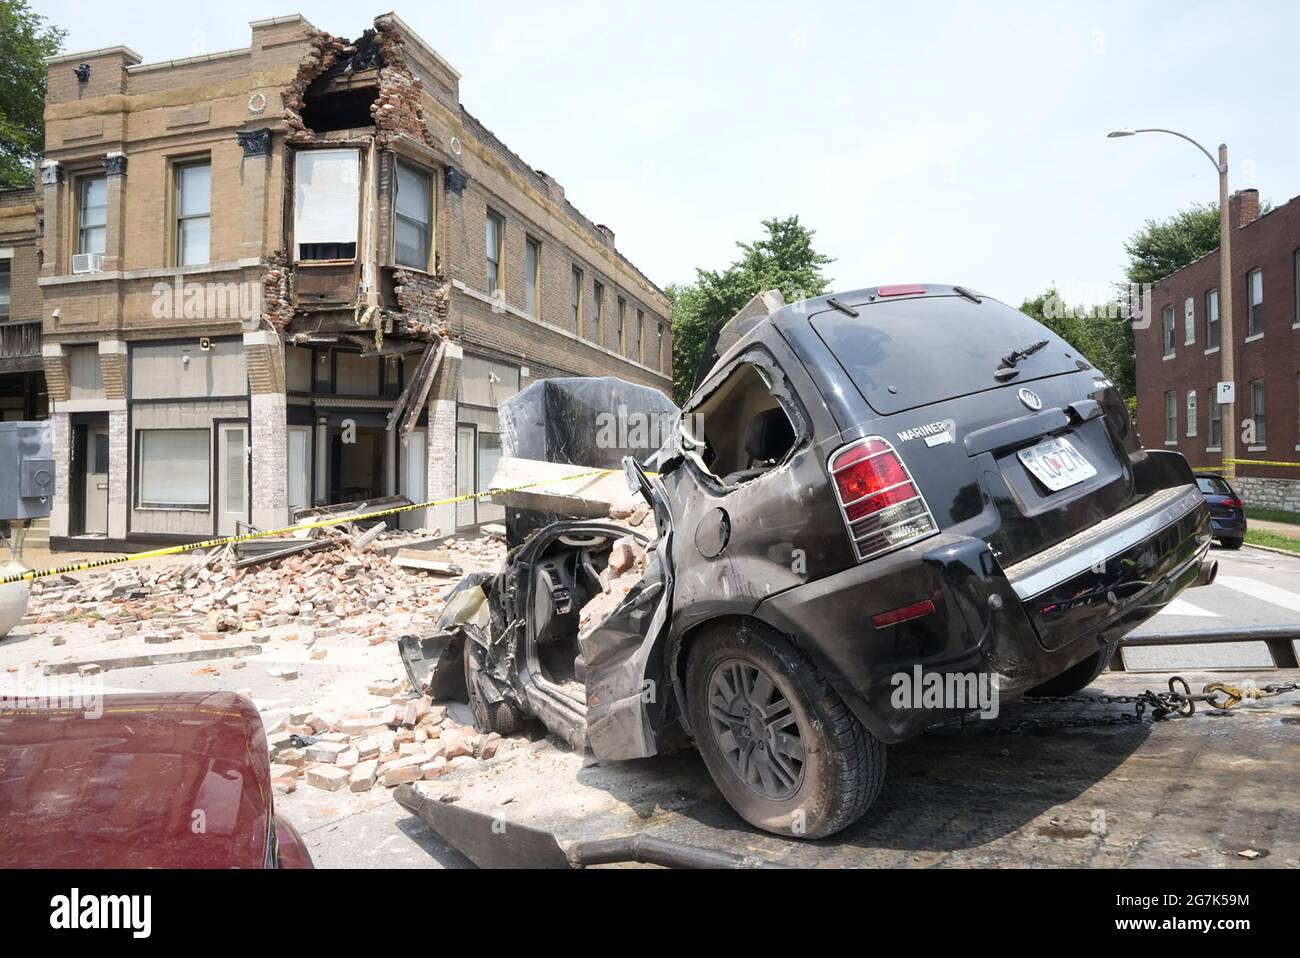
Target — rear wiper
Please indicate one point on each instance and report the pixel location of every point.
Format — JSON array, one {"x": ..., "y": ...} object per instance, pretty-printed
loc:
[
  {"x": 834, "y": 303},
  {"x": 1007, "y": 368}
]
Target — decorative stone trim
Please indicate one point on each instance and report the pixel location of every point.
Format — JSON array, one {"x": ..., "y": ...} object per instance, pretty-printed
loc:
[
  {"x": 115, "y": 164},
  {"x": 255, "y": 142},
  {"x": 51, "y": 173},
  {"x": 456, "y": 180}
]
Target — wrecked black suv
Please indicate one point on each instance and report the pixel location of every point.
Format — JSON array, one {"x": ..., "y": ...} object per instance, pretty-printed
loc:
[{"x": 887, "y": 482}]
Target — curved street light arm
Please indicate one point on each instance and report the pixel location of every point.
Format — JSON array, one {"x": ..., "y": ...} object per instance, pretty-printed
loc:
[{"x": 1155, "y": 129}]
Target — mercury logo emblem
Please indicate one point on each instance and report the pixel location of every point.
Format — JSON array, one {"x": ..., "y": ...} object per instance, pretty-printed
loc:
[{"x": 1030, "y": 399}]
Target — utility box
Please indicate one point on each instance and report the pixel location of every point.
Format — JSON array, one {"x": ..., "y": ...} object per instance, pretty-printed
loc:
[{"x": 26, "y": 469}]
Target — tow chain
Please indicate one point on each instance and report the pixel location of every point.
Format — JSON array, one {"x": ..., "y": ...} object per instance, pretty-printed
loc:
[{"x": 1178, "y": 702}]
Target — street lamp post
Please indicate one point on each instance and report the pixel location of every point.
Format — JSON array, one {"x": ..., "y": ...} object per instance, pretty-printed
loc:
[{"x": 1228, "y": 439}]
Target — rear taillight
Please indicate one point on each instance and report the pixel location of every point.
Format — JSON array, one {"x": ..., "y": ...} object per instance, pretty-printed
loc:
[
  {"x": 880, "y": 502},
  {"x": 1233, "y": 503}
]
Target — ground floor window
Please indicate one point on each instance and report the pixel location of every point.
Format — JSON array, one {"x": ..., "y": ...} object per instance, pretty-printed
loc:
[{"x": 174, "y": 468}]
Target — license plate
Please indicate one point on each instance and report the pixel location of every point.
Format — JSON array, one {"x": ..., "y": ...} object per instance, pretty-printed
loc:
[{"x": 1057, "y": 464}]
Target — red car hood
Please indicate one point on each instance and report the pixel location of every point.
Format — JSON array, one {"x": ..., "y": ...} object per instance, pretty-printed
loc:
[{"x": 159, "y": 780}]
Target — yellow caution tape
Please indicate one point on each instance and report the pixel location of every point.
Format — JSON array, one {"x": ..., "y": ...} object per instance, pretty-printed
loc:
[
  {"x": 33, "y": 574},
  {"x": 1260, "y": 462}
]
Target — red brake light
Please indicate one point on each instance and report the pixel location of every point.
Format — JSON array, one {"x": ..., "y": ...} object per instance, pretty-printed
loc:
[
  {"x": 880, "y": 502},
  {"x": 900, "y": 290},
  {"x": 1233, "y": 503}
]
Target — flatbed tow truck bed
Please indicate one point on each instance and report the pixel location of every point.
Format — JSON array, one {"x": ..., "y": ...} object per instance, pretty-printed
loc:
[{"x": 1215, "y": 790}]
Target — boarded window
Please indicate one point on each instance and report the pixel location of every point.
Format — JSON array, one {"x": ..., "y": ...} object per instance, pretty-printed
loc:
[
  {"x": 186, "y": 370},
  {"x": 85, "y": 378},
  {"x": 355, "y": 375},
  {"x": 326, "y": 201}
]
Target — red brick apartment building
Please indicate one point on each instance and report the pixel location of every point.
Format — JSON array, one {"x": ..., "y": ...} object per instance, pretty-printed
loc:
[{"x": 1178, "y": 355}]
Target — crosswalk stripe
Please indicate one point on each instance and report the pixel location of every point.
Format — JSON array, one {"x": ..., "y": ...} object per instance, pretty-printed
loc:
[
  {"x": 1183, "y": 607},
  {"x": 1262, "y": 591}
]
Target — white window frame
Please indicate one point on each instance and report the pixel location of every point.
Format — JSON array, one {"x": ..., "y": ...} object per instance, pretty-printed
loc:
[
  {"x": 1167, "y": 331},
  {"x": 1214, "y": 338},
  {"x": 1189, "y": 321},
  {"x": 494, "y": 259},
  {"x": 1259, "y": 415},
  {"x": 327, "y": 213},
  {"x": 1191, "y": 414},
  {"x": 1171, "y": 417},
  {"x": 83, "y": 231},
  {"x": 400, "y": 166},
  {"x": 181, "y": 218},
  {"x": 1254, "y": 307}
]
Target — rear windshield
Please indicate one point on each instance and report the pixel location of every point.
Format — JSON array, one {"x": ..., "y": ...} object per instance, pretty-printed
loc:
[
  {"x": 1213, "y": 486},
  {"x": 907, "y": 353}
]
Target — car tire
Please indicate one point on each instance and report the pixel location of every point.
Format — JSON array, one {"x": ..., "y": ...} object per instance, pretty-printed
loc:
[
  {"x": 1076, "y": 678},
  {"x": 1231, "y": 543},
  {"x": 842, "y": 767},
  {"x": 500, "y": 717}
]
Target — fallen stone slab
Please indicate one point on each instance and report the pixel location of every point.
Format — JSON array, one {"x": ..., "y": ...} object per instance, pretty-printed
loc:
[
  {"x": 329, "y": 777},
  {"x": 155, "y": 658}
]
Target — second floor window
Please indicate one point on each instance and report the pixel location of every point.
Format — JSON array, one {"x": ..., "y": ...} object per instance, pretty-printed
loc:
[
  {"x": 1191, "y": 413},
  {"x": 1212, "y": 319},
  {"x": 575, "y": 299},
  {"x": 659, "y": 350},
  {"x": 640, "y": 336},
  {"x": 92, "y": 214},
  {"x": 327, "y": 203},
  {"x": 413, "y": 208},
  {"x": 532, "y": 277},
  {"x": 1257, "y": 413},
  {"x": 1171, "y": 417},
  {"x": 599, "y": 292},
  {"x": 622, "y": 325},
  {"x": 1216, "y": 420},
  {"x": 193, "y": 214},
  {"x": 4, "y": 287},
  {"x": 495, "y": 237},
  {"x": 1167, "y": 329},
  {"x": 1255, "y": 313}
]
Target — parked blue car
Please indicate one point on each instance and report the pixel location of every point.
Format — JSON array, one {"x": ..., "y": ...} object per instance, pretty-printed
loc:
[{"x": 1227, "y": 511}]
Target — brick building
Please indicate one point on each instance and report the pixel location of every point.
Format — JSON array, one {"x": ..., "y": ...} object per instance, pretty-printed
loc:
[
  {"x": 1178, "y": 355},
  {"x": 301, "y": 273},
  {"x": 22, "y": 378}
]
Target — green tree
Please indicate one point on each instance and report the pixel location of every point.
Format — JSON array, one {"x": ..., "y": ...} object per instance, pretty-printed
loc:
[
  {"x": 782, "y": 259},
  {"x": 1165, "y": 246},
  {"x": 1103, "y": 335},
  {"x": 25, "y": 41}
]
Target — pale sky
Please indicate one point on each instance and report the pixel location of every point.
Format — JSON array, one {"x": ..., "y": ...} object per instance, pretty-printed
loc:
[{"x": 943, "y": 142}]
